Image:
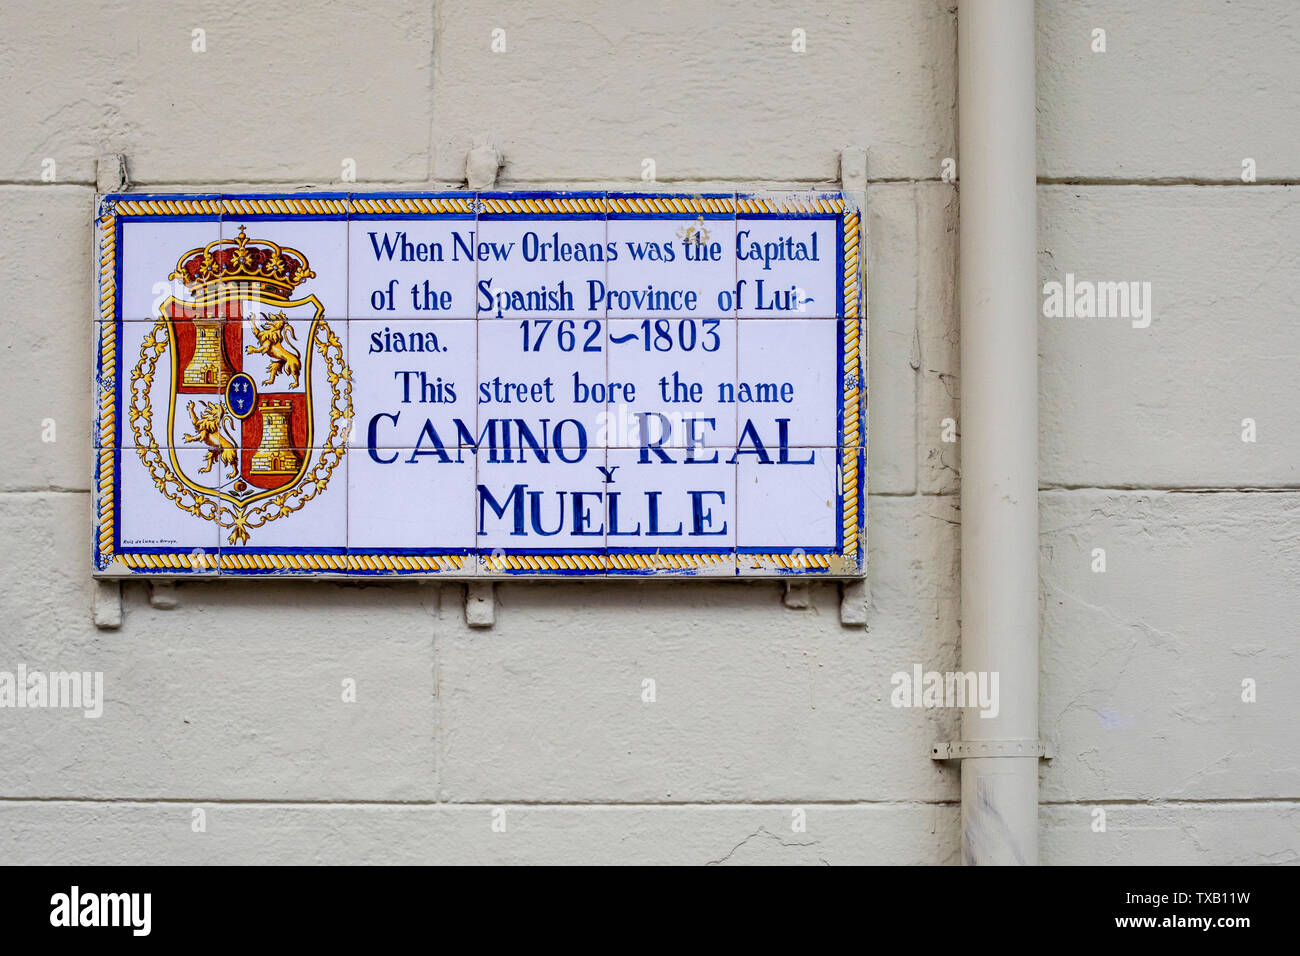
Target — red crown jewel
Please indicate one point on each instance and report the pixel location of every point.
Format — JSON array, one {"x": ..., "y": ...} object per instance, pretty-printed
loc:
[{"x": 243, "y": 260}]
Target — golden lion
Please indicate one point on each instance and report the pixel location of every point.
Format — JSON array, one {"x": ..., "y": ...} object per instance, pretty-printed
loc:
[
  {"x": 271, "y": 343},
  {"x": 210, "y": 428}
]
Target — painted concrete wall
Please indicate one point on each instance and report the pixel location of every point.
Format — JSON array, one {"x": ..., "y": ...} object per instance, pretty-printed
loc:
[{"x": 230, "y": 702}]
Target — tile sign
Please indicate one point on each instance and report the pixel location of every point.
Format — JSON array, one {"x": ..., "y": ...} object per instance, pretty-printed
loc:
[{"x": 491, "y": 384}]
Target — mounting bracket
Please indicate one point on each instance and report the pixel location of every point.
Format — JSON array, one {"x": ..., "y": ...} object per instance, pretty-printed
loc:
[
  {"x": 963, "y": 749},
  {"x": 480, "y": 604}
]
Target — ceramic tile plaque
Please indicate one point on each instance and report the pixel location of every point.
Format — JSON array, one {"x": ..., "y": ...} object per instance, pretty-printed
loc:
[{"x": 492, "y": 384}]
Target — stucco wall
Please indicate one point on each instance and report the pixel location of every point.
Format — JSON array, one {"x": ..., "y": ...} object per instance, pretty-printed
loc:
[{"x": 231, "y": 701}]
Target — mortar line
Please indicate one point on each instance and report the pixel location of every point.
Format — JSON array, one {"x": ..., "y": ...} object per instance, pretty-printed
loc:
[
  {"x": 291, "y": 185},
  {"x": 634, "y": 805},
  {"x": 435, "y": 803},
  {"x": 138, "y": 186}
]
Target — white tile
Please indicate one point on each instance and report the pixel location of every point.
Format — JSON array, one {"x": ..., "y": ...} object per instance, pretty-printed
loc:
[
  {"x": 556, "y": 383},
  {"x": 314, "y": 512},
  {"x": 150, "y": 252},
  {"x": 686, "y": 504},
  {"x": 321, "y": 349},
  {"x": 693, "y": 258},
  {"x": 151, "y": 356},
  {"x": 398, "y": 499},
  {"x": 541, "y": 268},
  {"x": 412, "y": 268},
  {"x": 788, "y": 372},
  {"x": 790, "y": 267},
  {"x": 157, "y": 491},
  {"x": 322, "y": 242},
  {"x": 292, "y": 485},
  {"x": 413, "y": 383},
  {"x": 676, "y": 369},
  {"x": 554, "y": 505},
  {"x": 792, "y": 505},
  {"x": 144, "y": 384}
]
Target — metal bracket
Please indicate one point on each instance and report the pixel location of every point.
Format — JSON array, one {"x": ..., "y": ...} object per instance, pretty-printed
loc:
[
  {"x": 963, "y": 749},
  {"x": 107, "y": 604},
  {"x": 480, "y": 604}
]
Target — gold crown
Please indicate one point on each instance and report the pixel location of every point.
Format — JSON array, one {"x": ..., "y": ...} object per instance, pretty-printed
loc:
[{"x": 243, "y": 260}]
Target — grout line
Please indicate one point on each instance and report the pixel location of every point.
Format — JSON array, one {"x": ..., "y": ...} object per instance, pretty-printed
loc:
[
  {"x": 1178, "y": 489},
  {"x": 1158, "y": 181}
]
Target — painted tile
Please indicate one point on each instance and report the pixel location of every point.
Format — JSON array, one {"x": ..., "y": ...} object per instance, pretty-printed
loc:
[
  {"x": 558, "y": 507},
  {"x": 788, "y": 514},
  {"x": 691, "y": 254},
  {"x": 677, "y": 515},
  {"x": 107, "y": 362},
  {"x": 321, "y": 243},
  {"x": 401, "y": 500},
  {"x": 541, "y": 268},
  {"x": 791, "y": 265},
  {"x": 279, "y": 524},
  {"x": 412, "y": 268},
  {"x": 672, "y": 378},
  {"x": 141, "y": 379},
  {"x": 413, "y": 383},
  {"x": 167, "y": 503},
  {"x": 150, "y": 252},
  {"x": 548, "y": 373},
  {"x": 788, "y": 384}
]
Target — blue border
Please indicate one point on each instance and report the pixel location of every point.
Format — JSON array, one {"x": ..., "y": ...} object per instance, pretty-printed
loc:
[{"x": 474, "y": 556}]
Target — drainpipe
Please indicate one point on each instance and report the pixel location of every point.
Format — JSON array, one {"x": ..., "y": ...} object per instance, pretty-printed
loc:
[{"x": 999, "y": 426}]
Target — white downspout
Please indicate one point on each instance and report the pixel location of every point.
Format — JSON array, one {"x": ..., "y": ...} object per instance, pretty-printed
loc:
[{"x": 999, "y": 424}]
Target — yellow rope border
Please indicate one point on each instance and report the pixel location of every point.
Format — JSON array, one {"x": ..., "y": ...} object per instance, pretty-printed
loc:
[
  {"x": 412, "y": 204},
  {"x": 235, "y": 560},
  {"x": 789, "y": 562},
  {"x": 107, "y": 379},
  {"x": 852, "y": 435},
  {"x": 669, "y": 205},
  {"x": 795, "y": 204},
  {"x": 434, "y": 563},
  {"x": 167, "y": 207},
  {"x": 852, "y": 273},
  {"x": 542, "y": 206},
  {"x": 297, "y": 206},
  {"x": 669, "y": 561}
]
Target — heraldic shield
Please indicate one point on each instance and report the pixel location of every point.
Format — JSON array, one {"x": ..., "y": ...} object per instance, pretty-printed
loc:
[{"x": 257, "y": 400}]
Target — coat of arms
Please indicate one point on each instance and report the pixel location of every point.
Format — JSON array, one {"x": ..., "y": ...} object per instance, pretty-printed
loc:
[{"x": 256, "y": 387}]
